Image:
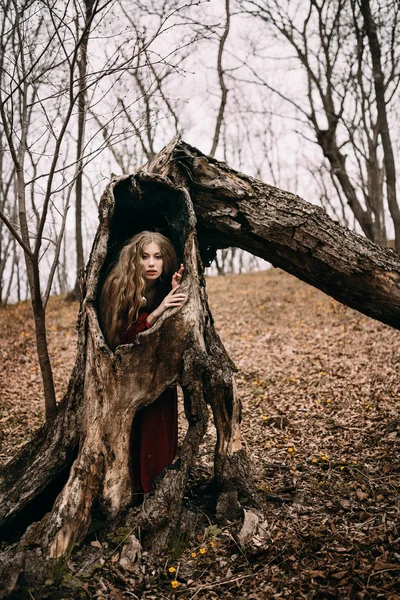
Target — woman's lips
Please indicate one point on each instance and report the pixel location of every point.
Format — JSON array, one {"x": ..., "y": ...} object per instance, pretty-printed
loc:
[{"x": 151, "y": 272}]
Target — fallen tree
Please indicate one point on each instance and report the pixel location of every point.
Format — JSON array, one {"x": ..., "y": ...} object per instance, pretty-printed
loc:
[{"x": 78, "y": 464}]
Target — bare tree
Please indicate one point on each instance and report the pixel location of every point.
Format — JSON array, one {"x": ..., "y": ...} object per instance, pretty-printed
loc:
[
  {"x": 17, "y": 72},
  {"x": 145, "y": 97},
  {"x": 225, "y": 258},
  {"x": 40, "y": 89},
  {"x": 89, "y": 6},
  {"x": 349, "y": 94},
  {"x": 381, "y": 84}
]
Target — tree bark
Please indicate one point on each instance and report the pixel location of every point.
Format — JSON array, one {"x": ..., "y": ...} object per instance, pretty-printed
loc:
[{"x": 80, "y": 463}]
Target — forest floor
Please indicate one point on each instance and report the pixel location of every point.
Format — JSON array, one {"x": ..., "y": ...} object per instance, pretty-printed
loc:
[{"x": 320, "y": 389}]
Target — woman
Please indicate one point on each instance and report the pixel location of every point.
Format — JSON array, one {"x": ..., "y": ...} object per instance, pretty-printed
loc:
[{"x": 140, "y": 288}]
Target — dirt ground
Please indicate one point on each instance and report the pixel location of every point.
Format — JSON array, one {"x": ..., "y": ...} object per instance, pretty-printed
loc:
[{"x": 320, "y": 390}]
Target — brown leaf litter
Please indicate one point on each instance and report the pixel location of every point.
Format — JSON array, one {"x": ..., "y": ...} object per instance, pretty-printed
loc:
[{"x": 320, "y": 389}]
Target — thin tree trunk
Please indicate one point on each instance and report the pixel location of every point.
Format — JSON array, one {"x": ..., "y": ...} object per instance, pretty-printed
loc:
[
  {"x": 327, "y": 141},
  {"x": 374, "y": 193},
  {"x": 32, "y": 270},
  {"x": 42, "y": 348},
  {"x": 82, "y": 111},
  {"x": 11, "y": 278},
  {"x": 224, "y": 89}
]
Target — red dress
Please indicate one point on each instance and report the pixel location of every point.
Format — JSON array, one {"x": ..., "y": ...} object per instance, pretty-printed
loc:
[{"x": 154, "y": 436}]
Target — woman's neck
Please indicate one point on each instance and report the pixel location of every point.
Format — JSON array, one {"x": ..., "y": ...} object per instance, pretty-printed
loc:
[{"x": 150, "y": 286}]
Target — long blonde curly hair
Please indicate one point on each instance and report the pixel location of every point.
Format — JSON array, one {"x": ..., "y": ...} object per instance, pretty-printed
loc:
[{"x": 122, "y": 294}]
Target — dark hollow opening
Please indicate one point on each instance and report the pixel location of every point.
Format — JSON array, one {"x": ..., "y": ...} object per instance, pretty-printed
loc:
[{"x": 141, "y": 206}]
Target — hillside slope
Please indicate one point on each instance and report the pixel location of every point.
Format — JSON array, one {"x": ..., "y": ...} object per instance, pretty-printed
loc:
[{"x": 320, "y": 390}]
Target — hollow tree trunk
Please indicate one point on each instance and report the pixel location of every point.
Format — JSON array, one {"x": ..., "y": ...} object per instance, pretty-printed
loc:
[{"x": 80, "y": 462}]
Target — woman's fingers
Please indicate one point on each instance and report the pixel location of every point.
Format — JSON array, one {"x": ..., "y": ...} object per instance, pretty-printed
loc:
[
  {"x": 178, "y": 297},
  {"x": 176, "y": 300},
  {"x": 173, "y": 299},
  {"x": 177, "y": 276}
]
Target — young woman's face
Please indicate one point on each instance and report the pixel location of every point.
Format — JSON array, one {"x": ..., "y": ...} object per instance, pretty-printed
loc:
[{"x": 151, "y": 262}]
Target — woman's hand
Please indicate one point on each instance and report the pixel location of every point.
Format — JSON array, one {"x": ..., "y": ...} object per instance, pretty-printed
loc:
[
  {"x": 172, "y": 300},
  {"x": 177, "y": 277}
]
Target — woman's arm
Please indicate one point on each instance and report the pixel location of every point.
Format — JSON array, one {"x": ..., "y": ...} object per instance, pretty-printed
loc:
[{"x": 172, "y": 300}]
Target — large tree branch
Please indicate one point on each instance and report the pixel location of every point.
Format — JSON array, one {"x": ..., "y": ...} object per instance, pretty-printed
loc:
[{"x": 233, "y": 209}]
